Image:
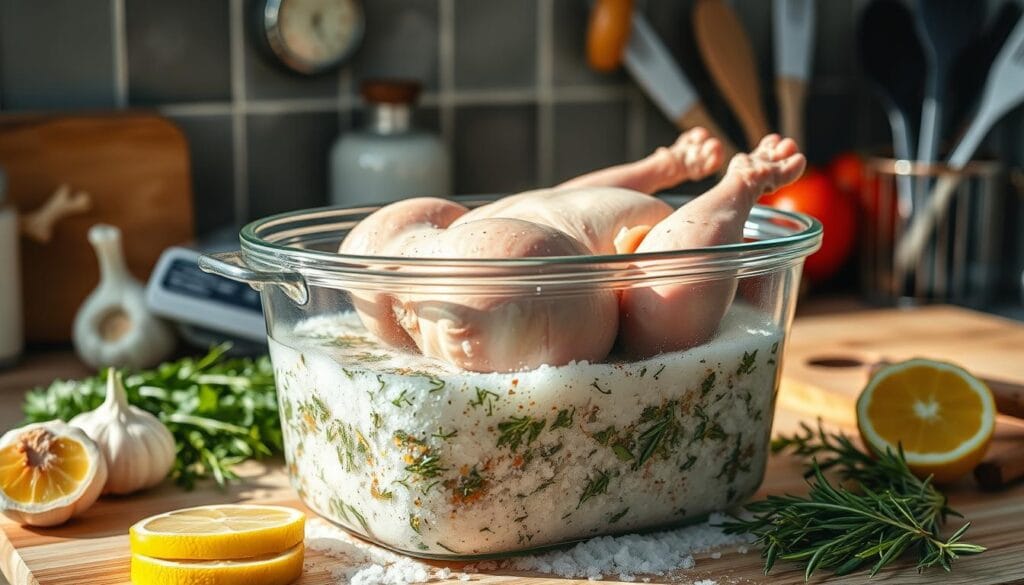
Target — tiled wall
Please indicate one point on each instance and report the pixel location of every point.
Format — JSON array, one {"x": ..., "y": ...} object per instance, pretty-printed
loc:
[{"x": 506, "y": 82}]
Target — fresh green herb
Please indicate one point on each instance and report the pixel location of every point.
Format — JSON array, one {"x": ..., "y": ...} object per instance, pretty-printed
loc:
[
  {"x": 339, "y": 508},
  {"x": 622, "y": 452},
  {"x": 484, "y": 398},
  {"x": 734, "y": 464},
  {"x": 440, "y": 434},
  {"x": 402, "y": 399},
  {"x": 436, "y": 384},
  {"x": 775, "y": 348},
  {"x": 362, "y": 519},
  {"x": 658, "y": 373},
  {"x": 221, "y": 410},
  {"x": 706, "y": 428},
  {"x": 426, "y": 466},
  {"x": 604, "y": 437},
  {"x": 596, "y": 485},
  {"x": 690, "y": 460},
  {"x": 564, "y": 419},
  {"x": 660, "y": 436},
  {"x": 708, "y": 384},
  {"x": 376, "y": 419},
  {"x": 747, "y": 365},
  {"x": 546, "y": 452},
  {"x": 598, "y": 387},
  {"x": 381, "y": 383},
  {"x": 617, "y": 516},
  {"x": 447, "y": 548},
  {"x": 887, "y": 513},
  {"x": 518, "y": 429}
]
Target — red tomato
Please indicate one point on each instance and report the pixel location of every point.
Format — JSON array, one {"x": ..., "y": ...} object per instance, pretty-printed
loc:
[
  {"x": 815, "y": 195},
  {"x": 847, "y": 173}
]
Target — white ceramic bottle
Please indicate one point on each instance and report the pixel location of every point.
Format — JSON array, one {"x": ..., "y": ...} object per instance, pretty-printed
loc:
[
  {"x": 11, "y": 337},
  {"x": 388, "y": 159}
]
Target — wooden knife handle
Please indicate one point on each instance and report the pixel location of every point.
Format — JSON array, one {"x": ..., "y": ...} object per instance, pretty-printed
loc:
[
  {"x": 1002, "y": 466},
  {"x": 792, "y": 94},
  {"x": 698, "y": 116}
]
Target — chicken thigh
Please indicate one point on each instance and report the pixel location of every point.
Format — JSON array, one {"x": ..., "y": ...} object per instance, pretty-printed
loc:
[{"x": 673, "y": 317}]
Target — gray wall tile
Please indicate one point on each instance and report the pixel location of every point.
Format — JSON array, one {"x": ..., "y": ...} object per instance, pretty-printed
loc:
[
  {"x": 56, "y": 54},
  {"x": 570, "y": 47},
  {"x": 588, "y": 137},
  {"x": 830, "y": 125},
  {"x": 265, "y": 78},
  {"x": 834, "y": 54},
  {"x": 495, "y": 44},
  {"x": 288, "y": 161},
  {"x": 211, "y": 150},
  {"x": 177, "y": 51},
  {"x": 495, "y": 149},
  {"x": 401, "y": 42}
]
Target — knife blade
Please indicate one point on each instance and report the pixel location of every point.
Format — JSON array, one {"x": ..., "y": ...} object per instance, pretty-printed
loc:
[{"x": 793, "y": 39}]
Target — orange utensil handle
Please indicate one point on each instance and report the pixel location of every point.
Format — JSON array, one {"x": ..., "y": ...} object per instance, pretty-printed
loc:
[{"x": 608, "y": 33}]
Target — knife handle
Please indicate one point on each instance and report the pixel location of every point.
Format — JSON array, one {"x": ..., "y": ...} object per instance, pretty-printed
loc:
[
  {"x": 792, "y": 93},
  {"x": 698, "y": 116}
]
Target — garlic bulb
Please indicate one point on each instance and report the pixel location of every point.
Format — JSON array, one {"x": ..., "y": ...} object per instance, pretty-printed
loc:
[
  {"x": 138, "y": 448},
  {"x": 114, "y": 327}
]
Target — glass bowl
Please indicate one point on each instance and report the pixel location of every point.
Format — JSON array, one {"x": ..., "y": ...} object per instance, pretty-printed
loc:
[{"x": 434, "y": 461}]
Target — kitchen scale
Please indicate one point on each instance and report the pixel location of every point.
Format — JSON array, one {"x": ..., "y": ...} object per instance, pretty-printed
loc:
[{"x": 207, "y": 308}]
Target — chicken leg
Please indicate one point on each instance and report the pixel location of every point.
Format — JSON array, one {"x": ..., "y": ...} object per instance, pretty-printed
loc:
[{"x": 673, "y": 317}]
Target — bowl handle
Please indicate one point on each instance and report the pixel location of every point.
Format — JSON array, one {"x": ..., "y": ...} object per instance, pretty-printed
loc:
[{"x": 231, "y": 265}]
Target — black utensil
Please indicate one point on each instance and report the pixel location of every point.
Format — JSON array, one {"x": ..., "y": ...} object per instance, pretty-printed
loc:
[
  {"x": 946, "y": 27},
  {"x": 893, "y": 60}
]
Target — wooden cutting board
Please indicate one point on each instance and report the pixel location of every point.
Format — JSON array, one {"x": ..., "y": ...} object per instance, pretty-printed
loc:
[
  {"x": 135, "y": 167},
  {"x": 824, "y": 369}
]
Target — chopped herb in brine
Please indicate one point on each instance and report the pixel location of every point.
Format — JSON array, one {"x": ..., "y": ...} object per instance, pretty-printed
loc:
[
  {"x": 401, "y": 400},
  {"x": 708, "y": 384},
  {"x": 596, "y": 485},
  {"x": 658, "y": 373},
  {"x": 436, "y": 384},
  {"x": 564, "y": 419},
  {"x": 690, "y": 460},
  {"x": 468, "y": 488},
  {"x": 519, "y": 429},
  {"x": 622, "y": 452},
  {"x": 617, "y": 516},
  {"x": 484, "y": 398},
  {"x": 733, "y": 465},
  {"x": 598, "y": 387},
  {"x": 747, "y": 365},
  {"x": 604, "y": 437},
  {"x": 440, "y": 434}
]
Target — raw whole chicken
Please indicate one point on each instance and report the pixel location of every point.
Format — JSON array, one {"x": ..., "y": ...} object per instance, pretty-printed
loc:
[{"x": 606, "y": 212}]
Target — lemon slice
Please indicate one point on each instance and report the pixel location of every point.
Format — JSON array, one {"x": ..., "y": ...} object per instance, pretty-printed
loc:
[
  {"x": 278, "y": 569},
  {"x": 941, "y": 415},
  {"x": 49, "y": 472},
  {"x": 228, "y": 531}
]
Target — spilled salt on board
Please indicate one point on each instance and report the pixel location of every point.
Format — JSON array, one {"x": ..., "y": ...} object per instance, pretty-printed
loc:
[{"x": 632, "y": 557}]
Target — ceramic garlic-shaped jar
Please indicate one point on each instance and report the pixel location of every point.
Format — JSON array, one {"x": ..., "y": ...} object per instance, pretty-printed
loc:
[{"x": 114, "y": 327}]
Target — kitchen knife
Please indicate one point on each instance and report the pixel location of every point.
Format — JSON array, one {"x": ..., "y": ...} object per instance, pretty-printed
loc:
[
  {"x": 649, "y": 62},
  {"x": 793, "y": 38}
]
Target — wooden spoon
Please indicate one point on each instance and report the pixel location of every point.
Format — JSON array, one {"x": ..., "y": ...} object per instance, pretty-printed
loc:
[{"x": 730, "y": 59}]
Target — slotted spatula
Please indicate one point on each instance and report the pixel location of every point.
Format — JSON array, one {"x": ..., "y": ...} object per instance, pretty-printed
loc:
[
  {"x": 729, "y": 56},
  {"x": 1004, "y": 90}
]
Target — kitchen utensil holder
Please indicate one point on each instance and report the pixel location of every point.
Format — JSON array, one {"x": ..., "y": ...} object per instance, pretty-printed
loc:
[{"x": 960, "y": 262}]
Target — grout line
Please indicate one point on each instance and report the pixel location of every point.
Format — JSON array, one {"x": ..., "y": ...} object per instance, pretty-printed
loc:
[
  {"x": 483, "y": 97},
  {"x": 636, "y": 126},
  {"x": 120, "y": 47},
  {"x": 446, "y": 79},
  {"x": 238, "y": 110},
  {"x": 545, "y": 95}
]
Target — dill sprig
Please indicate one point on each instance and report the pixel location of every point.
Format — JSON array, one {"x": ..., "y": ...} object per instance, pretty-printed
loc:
[{"x": 886, "y": 512}]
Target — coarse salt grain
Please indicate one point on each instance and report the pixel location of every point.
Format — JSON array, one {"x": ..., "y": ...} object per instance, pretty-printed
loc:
[{"x": 622, "y": 556}]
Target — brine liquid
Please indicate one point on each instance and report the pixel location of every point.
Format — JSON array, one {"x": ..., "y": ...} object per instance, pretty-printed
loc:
[{"x": 422, "y": 457}]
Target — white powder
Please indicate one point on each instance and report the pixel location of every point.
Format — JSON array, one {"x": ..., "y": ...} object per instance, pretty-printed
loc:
[{"x": 628, "y": 558}]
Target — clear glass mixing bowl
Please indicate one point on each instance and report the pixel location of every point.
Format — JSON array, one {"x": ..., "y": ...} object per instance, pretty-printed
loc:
[{"x": 433, "y": 461}]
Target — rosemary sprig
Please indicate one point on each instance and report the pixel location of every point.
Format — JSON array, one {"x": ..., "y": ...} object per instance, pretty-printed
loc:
[{"x": 887, "y": 512}]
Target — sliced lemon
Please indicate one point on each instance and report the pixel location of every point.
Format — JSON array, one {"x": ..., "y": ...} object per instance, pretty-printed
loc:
[
  {"x": 278, "y": 569},
  {"x": 941, "y": 415},
  {"x": 49, "y": 472},
  {"x": 228, "y": 531}
]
